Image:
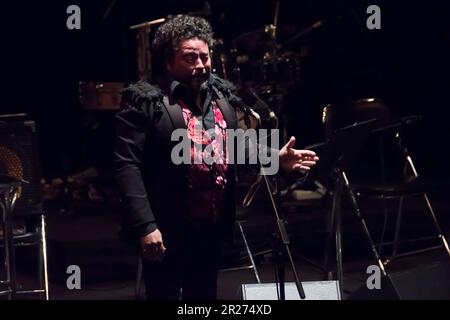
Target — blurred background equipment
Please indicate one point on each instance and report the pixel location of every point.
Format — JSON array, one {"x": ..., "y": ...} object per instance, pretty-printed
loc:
[
  {"x": 19, "y": 158},
  {"x": 22, "y": 207},
  {"x": 100, "y": 95},
  {"x": 144, "y": 47},
  {"x": 382, "y": 170}
]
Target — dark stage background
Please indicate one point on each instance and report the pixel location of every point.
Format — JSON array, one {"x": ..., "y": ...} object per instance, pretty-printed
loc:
[{"x": 406, "y": 63}]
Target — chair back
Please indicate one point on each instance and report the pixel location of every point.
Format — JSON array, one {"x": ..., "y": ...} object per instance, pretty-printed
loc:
[{"x": 19, "y": 158}]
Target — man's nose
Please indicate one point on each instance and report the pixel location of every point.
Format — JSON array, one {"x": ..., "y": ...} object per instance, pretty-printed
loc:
[{"x": 199, "y": 64}]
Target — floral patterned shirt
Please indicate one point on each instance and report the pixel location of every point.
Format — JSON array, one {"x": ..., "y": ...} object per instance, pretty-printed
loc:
[{"x": 207, "y": 179}]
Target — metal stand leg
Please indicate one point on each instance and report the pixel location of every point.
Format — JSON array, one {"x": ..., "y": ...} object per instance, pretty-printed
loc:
[
  {"x": 279, "y": 257},
  {"x": 385, "y": 222},
  {"x": 339, "y": 261},
  {"x": 329, "y": 243},
  {"x": 335, "y": 229},
  {"x": 430, "y": 208},
  {"x": 375, "y": 254},
  {"x": 9, "y": 199},
  {"x": 397, "y": 228},
  {"x": 438, "y": 228},
  {"x": 338, "y": 233},
  {"x": 44, "y": 256},
  {"x": 249, "y": 253},
  {"x": 41, "y": 272}
]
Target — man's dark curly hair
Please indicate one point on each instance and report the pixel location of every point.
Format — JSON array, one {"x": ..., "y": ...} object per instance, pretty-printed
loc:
[{"x": 168, "y": 36}]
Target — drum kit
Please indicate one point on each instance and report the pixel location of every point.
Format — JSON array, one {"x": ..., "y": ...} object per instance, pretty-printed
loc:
[
  {"x": 256, "y": 60},
  {"x": 262, "y": 68}
]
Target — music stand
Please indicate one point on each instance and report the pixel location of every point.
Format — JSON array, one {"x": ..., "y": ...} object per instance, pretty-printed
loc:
[{"x": 335, "y": 157}]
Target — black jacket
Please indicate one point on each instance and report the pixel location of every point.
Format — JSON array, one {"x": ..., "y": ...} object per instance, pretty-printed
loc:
[{"x": 154, "y": 190}]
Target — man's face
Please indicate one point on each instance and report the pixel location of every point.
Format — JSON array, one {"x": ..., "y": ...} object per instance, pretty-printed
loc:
[{"x": 191, "y": 64}]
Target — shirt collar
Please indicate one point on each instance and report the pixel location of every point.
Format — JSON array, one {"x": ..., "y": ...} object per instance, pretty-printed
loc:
[{"x": 174, "y": 85}]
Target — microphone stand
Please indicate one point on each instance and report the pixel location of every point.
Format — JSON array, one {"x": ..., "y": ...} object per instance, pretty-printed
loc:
[{"x": 282, "y": 242}]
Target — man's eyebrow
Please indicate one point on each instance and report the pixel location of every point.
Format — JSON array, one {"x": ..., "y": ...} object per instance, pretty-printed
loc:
[
  {"x": 188, "y": 49},
  {"x": 193, "y": 51}
]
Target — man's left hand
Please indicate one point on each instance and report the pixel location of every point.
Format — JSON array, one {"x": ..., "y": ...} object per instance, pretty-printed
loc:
[{"x": 296, "y": 160}]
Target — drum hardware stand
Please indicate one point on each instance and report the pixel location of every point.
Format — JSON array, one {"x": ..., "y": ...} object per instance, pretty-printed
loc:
[{"x": 143, "y": 51}]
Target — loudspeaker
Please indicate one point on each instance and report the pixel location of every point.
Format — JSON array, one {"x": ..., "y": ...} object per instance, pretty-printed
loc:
[
  {"x": 314, "y": 290},
  {"x": 19, "y": 158},
  {"x": 427, "y": 282}
]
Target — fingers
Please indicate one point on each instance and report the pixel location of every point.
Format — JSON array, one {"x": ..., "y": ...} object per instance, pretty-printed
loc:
[
  {"x": 300, "y": 167},
  {"x": 305, "y": 165},
  {"x": 308, "y": 163},
  {"x": 152, "y": 246},
  {"x": 308, "y": 153},
  {"x": 290, "y": 143},
  {"x": 311, "y": 158},
  {"x": 154, "y": 251}
]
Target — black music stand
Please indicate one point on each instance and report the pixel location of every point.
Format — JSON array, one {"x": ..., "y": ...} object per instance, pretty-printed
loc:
[{"x": 335, "y": 156}]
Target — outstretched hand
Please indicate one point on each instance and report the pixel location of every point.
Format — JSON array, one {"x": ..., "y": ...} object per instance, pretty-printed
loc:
[{"x": 296, "y": 160}]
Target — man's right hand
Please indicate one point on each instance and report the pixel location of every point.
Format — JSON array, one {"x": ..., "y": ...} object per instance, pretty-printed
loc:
[{"x": 152, "y": 246}]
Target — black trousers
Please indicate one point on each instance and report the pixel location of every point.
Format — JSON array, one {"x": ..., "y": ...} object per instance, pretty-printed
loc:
[{"x": 190, "y": 266}]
